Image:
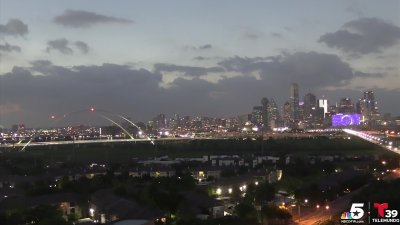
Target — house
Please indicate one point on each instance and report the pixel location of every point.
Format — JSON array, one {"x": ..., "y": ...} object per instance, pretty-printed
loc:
[
  {"x": 227, "y": 161},
  {"x": 106, "y": 207},
  {"x": 152, "y": 171},
  {"x": 274, "y": 176},
  {"x": 204, "y": 173},
  {"x": 203, "y": 206}
]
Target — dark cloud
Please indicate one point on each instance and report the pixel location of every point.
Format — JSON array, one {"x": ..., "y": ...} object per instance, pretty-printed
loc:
[
  {"x": 368, "y": 75},
  {"x": 200, "y": 58},
  {"x": 207, "y": 46},
  {"x": 44, "y": 88},
  {"x": 14, "y": 27},
  {"x": 276, "y": 35},
  {"x": 84, "y": 19},
  {"x": 6, "y": 47},
  {"x": 192, "y": 71},
  {"x": 309, "y": 69},
  {"x": 61, "y": 45},
  {"x": 202, "y": 47},
  {"x": 363, "y": 36},
  {"x": 82, "y": 46},
  {"x": 64, "y": 46},
  {"x": 245, "y": 64},
  {"x": 61, "y": 90}
]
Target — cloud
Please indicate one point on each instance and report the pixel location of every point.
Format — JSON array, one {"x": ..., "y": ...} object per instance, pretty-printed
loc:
[
  {"x": 363, "y": 36},
  {"x": 276, "y": 35},
  {"x": 14, "y": 27},
  {"x": 85, "y": 19},
  {"x": 355, "y": 8},
  {"x": 207, "y": 46},
  {"x": 6, "y": 47},
  {"x": 64, "y": 46},
  {"x": 60, "y": 89},
  {"x": 44, "y": 88},
  {"x": 82, "y": 46},
  {"x": 191, "y": 71},
  {"x": 309, "y": 69},
  {"x": 61, "y": 45},
  {"x": 200, "y": 58},
  {"x": 201, "y": 47}
]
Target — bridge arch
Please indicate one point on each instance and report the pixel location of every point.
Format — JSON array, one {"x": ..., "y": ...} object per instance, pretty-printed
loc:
[{"x": 100, "y": 113}]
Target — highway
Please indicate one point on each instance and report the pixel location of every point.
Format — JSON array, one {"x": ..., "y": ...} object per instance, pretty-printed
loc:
[
  {"x": 313, "y": 216},
  {"x": 166, "y": 139},
  {"x": 384, "y": 143}
]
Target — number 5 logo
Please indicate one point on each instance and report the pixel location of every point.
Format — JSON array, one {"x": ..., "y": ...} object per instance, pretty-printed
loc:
[{"x": 357, "y": 210}]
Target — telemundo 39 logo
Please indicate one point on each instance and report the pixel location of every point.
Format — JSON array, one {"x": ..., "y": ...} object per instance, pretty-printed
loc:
[{"x": 384, "y": 214}]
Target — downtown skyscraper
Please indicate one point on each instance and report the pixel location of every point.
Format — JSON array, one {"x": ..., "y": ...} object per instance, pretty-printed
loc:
[{"x": 294, "y": 101}]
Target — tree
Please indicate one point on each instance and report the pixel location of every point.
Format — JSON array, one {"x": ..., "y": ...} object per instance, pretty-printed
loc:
[
  {"x": 40, "y": 215},
  {"x": 273, "y": 212},
  {"x": 246, "y": 211}
]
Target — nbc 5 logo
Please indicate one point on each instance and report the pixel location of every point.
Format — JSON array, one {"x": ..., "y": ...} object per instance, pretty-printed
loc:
[{"x": 357, "y": 210}]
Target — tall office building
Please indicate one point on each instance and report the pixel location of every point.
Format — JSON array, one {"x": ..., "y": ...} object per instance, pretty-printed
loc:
[
  {"x": 310, "y": 106},
  {"x": 294, "y": 101},
  {"x": 160, "y": 121},
  {"x": 265, "y": 116},
  {"x": 369, "y": 103},
  {"x": 175, "y": 121},
  {"x": 323, "y": 103},
  {"x": 257, "y": 115},
  {"x": 367, "y": 107},
  {"x": 287, "y": 111},
  {"x": 273, "y": 113},
  {"x": 346, "y": 106},
  {"x": 273, "y": 110}
]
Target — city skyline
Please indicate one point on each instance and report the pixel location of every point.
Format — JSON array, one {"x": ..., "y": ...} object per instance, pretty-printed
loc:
[
  {"x": 196, "y": 58},
  {"x": 310, "y": 112}
]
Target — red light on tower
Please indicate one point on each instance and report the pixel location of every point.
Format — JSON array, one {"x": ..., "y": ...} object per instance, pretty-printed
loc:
[
  {"x": 92, "y": 109},
  {"x": 52, "y": 116}
]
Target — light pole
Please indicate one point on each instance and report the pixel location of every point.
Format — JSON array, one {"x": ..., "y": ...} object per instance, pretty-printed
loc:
[
  {"x": 299, "y": 208},
  {"x": 327, "y": 209}
]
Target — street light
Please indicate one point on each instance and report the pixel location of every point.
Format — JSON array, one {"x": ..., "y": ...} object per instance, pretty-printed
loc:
[
  {"x": 299, "y": 207},
  {"x": 91, "y": 210},
  {"x": 327, "y": 207}
]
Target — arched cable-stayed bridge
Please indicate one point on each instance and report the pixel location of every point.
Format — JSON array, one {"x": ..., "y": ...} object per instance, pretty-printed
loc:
[{"x": 23, "y": 143}]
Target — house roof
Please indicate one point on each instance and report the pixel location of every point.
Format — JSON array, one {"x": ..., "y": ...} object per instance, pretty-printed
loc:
[{"x": 106, "y": 201}]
